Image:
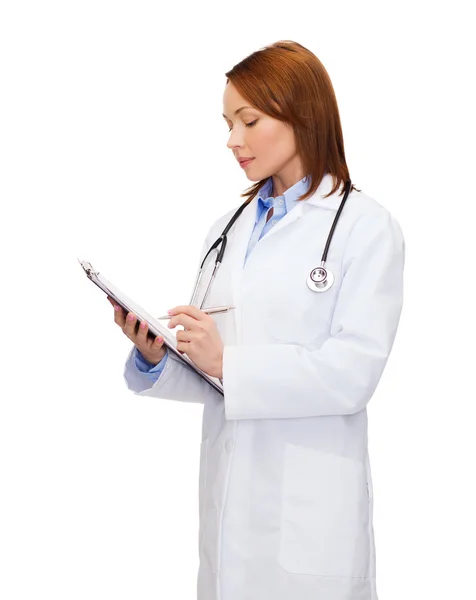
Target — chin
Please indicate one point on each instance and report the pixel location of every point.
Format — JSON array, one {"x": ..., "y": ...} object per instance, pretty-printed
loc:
[{"x": 253, "y": 174}]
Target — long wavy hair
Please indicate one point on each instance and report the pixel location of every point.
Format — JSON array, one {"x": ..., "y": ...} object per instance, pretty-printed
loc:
[{"x": 288, "y": 82}]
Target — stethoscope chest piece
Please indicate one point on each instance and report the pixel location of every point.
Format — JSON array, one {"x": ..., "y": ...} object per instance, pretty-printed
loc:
[{"x": 320, "y": 279}]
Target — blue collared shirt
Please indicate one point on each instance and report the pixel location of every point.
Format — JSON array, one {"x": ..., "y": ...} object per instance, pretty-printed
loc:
[{"x": 282, "y": 205}]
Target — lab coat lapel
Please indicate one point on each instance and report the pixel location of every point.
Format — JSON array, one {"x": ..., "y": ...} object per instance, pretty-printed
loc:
[
  {"x": 288, "y": 218},
  {"x": 237, "y": 245},
  {"x": 240, "y": 233}
]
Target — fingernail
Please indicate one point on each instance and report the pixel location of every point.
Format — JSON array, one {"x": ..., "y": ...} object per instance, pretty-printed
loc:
[
  {"x": 130, "y": 317},
  {"x": 142, "y": 325},
  {"x": 159, "y": 340},
  {"x": 170, "y": 311},
  {"x": 116, "y": 308}
]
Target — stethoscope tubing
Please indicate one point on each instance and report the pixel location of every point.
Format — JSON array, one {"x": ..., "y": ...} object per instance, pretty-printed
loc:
[
  {"x": 331, "y": 232},
  {"x": 222, "y": 241}
]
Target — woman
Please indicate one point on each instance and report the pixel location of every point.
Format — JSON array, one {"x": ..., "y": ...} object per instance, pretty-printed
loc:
[{"x": 285, "y": 484}]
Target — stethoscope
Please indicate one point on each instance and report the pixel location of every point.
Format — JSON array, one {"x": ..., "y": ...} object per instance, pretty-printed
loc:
[{"x": 320, "y": 279}]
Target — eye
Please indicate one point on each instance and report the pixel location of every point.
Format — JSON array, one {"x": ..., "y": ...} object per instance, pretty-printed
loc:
[{"x": 247, "y": 124}]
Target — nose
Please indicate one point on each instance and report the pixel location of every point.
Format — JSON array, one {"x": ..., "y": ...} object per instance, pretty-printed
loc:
[{"x": 235, "y": 140}]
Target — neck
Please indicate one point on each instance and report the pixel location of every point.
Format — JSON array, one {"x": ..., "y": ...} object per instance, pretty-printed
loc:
[{"x": 286, "y": 178}]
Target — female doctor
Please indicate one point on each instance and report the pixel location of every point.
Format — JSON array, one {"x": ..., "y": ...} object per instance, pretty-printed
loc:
[{"x": 285, "y": 489}]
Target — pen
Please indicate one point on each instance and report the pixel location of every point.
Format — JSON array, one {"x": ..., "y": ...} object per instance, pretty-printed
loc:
[{"x": 208, "y": 311}]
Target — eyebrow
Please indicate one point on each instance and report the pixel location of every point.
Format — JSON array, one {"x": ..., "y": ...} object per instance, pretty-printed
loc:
[{"x": 239, "y": 110}]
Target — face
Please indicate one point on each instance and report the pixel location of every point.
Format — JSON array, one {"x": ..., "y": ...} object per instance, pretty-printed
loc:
[{"x": 270, "y": 142}]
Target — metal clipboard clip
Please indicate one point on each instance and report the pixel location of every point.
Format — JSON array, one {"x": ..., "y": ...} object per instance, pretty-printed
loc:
[{"x": 87, "y": 266}]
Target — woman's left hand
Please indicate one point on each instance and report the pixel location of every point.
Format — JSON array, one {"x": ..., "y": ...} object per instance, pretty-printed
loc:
[{"x": 200, "y": 340}]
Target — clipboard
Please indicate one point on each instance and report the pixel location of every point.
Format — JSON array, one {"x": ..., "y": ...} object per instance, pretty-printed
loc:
[{"x": 155, "y": 328}]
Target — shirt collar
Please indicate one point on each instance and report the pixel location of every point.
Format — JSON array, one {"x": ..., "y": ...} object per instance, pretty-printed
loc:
[{"x": 265, "y": 200}]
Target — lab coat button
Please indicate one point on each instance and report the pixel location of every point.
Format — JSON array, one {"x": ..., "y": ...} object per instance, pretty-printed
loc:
[
  {"x": 229, "y": 445},
  {"x": 274, "y": 221},
  {"x": 281, "y": 202}
]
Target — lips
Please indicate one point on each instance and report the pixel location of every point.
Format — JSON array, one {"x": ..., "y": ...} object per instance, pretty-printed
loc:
[{"x": 245, "y": 162}]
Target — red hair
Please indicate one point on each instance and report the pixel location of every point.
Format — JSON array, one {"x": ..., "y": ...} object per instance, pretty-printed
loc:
[{"x": 288, "y": 82}]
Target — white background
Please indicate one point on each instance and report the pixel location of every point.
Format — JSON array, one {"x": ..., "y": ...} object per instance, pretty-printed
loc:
[{"x": 113, "y": 150}]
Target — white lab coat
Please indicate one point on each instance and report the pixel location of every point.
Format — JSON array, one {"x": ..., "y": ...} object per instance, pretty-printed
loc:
[{"x": 285, "y": 489}]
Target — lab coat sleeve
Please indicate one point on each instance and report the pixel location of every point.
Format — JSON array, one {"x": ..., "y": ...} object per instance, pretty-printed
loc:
[
  {"x": 177, "y": 381},
  {"x": 339, "y": 378}
]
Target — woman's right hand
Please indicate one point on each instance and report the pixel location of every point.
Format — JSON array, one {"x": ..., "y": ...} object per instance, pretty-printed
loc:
[{"x": 152, "y": 350}]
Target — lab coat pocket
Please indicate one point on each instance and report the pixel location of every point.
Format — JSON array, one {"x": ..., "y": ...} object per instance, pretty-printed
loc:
[{"x": 324, "y": 518}]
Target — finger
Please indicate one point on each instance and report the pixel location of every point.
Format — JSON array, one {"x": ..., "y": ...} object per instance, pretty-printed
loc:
[
  {"x": 111, "y": 301},
  {"x": 192, "y": 311},
  {"x": 130, "y": 324},
  {"x": 182, "y": 347},
  {"x": 185, "y": 320},
  {"x": 119, "y": 316},
  {"x": 185, "y": 336},
  {"x": 142, "y": 334},
  {"x": 158, "y": 342}
]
